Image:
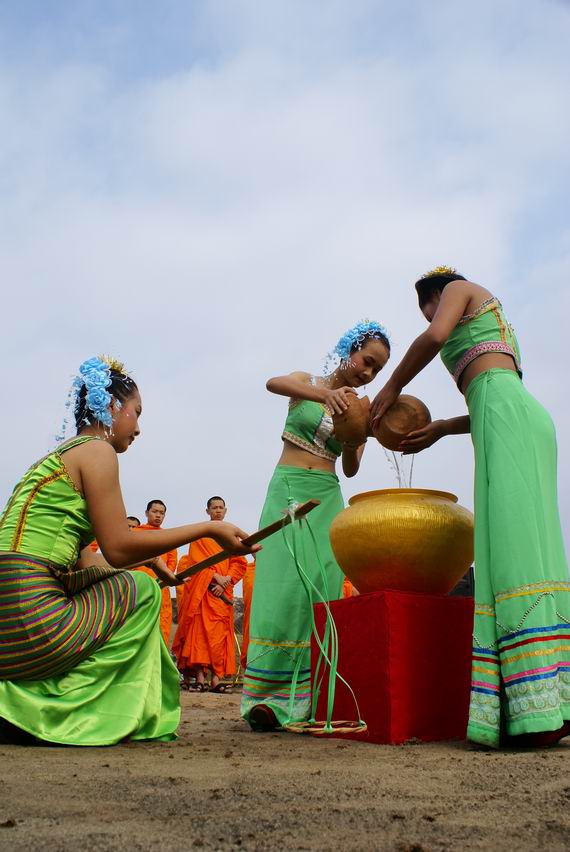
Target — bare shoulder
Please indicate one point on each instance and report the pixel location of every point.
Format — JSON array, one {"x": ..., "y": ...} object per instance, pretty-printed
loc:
[
  {"x": 462, "y": 293},
  {"x": 98, "y": 452},
  {"x": 477, "y": 294},
  {"x": 301, "y": 376}
]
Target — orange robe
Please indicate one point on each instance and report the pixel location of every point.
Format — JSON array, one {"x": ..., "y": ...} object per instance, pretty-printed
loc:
[
  {"x": 347, "y": 588},
  {"x": 171, "y": 558},
  {"x": 205, "y": 633},
  {"x": 248, "y": 581}
]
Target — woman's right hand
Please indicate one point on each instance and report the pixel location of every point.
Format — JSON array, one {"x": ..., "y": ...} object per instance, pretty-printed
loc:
[
  {"x": 164, "y": 573},
  {"x": 421, "y": 439},
  {"x": 229, "y": 537},
  {"x": 338, "y": 400}
]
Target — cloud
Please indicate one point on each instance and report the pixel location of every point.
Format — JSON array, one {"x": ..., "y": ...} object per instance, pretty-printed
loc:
[{"x": 220, "y": 209}]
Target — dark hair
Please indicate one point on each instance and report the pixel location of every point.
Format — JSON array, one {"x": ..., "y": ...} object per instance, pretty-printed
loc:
[
  {"x": 152, "y": 502},
  {"x": 426, "y": 287},
  {"x": 122, "y": 387},
  {"x": 375, "y": 335},
  {"x": 211, "y": 500},
  {"x": 133, "y": 518}
]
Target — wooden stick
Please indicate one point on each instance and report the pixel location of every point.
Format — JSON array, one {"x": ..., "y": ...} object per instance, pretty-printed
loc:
[{"x": 258, "y": 536}]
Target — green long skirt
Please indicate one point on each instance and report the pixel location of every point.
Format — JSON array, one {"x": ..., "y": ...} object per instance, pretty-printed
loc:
[
  {"x": 278, "y": 672},
  {"x": 521, "y": 647},
  {"x": 118, "y": 681}
]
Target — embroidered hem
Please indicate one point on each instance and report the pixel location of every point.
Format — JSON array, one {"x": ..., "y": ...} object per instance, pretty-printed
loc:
[
  {"x": 483, "y": 349},
  {"x": 310, "y": 448}
]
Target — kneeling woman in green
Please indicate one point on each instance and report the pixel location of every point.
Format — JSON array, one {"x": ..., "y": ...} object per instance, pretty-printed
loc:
[
  {"x": 276, "y": 686},
  {"x": 520, "y": 688},
  {"x": 82, "y": 660}
]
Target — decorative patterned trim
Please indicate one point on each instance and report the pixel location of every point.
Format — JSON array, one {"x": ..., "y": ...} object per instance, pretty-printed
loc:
[
  {"x": 488, "y": 305},
  {"x": 17, "y": 540},
  {"x": 268, "y": 643},
  {"x": 11, "y": 501},
  {"x": 483, "y": 349},
  {"x": 485, "y": 609},
  {"x": 533, "y": 588},
  {"x": 541, "y": 652},
  {"x": 306, "y": 445},
  {"x": 501, "y": 323},
  {"x": 538, "y": 634}
]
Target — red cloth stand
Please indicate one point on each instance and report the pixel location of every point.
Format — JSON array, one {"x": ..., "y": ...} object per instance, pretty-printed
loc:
[{"x": 408, "y": 659}]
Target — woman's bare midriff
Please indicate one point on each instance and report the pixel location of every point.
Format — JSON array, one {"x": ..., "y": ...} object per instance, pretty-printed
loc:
[
  {"x": 293, "y": 456},
  {"x": 488, "y": 361}
]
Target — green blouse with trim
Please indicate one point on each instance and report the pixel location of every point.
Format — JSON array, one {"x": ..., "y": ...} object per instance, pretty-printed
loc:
[
  {"x": 46, "y": 516},
  {"x": 309, "y": 425},
  {"x": 485, "y": 330}
]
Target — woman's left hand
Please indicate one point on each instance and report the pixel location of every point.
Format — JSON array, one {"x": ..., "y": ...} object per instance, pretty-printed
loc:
[
  {"x": 421, "y": 439},
  {"x": 382, "y": 402}
]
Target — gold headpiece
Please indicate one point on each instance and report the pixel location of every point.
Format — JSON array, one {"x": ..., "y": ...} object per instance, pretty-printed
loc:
[
  {"x": 114, "y": 364},
  {"x": 440, "y": 270}
]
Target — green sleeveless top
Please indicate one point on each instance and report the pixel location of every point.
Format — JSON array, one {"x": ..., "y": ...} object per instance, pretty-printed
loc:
[
  {"x": 309, "y": 425},
  {"x": 485, "y": 330},
  {"x": 46, "y": 516}
]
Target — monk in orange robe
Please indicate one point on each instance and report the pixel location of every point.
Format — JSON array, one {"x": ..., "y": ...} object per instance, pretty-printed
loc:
[
  {"x": 348, "y": 590},
  {"x": 248, "y": 581},
  {"x": 155, "y": 514},
  {"x": 204, "y": 639}
]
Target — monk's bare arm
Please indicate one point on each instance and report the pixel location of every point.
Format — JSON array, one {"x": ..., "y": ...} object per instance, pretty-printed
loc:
[{"x": 99, "y": 470}]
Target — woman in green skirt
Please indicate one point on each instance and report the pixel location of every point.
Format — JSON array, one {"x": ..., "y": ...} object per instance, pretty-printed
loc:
[
  {"x": 520, "y": 691},
  {"x": 82, "y": 659},
  {"x": 276, "y": 687}
]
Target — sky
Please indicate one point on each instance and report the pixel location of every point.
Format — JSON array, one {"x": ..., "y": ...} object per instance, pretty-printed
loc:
[{"x": 215, "y": 191}]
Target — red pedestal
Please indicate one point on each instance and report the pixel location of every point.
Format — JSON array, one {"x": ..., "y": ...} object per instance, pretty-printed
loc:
[{"x": 408, "y": 659}]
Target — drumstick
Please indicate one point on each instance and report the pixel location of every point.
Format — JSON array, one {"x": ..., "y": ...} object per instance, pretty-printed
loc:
[{"x": 300, "y": 512}]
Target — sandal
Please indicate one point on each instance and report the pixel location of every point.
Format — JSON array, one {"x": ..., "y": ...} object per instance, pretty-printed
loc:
[
  {"x": 199, "y": 687},
  {"x": 221, "y": 688}
]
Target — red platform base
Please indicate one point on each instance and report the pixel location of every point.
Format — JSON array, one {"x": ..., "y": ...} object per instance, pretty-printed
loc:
[{"x": 408, "y": 659}]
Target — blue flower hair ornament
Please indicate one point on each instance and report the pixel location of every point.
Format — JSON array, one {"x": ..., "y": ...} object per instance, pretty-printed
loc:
[
  {"x": 95, "y": 375},
  {"x": 356, "y": 337}
]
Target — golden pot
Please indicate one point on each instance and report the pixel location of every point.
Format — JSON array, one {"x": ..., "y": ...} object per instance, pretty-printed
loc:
[{"x": 411, "y": 539}]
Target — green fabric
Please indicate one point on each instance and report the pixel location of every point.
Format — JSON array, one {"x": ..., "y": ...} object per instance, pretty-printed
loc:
[
  {"x": 278, "y": 661},
  {"x": 487, "y": 324},
  {"x": 127, "y": 688},
  {"x": 46, "y": 515},
  {"x": 521, "y": 647},
  {"x": 310, "y": 426}
]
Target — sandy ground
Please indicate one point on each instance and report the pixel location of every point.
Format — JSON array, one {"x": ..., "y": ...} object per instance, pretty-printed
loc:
[{"x": 222, "y": 787}]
